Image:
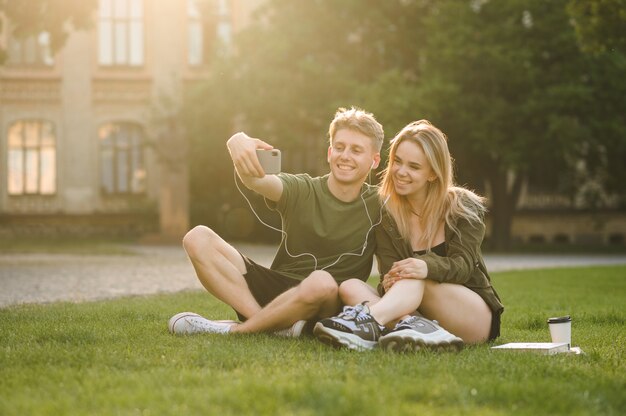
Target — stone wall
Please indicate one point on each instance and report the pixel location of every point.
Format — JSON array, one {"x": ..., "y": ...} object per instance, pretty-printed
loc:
[{"x": 570, "y": 227}]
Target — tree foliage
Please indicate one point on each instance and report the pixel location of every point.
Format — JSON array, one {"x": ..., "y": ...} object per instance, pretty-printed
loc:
[
  {"x": 56, "y": 17},
  {"x": 600, "y": 24},
  {"x": 509, "y": 82},
  {"x": 518, "y": 93}
]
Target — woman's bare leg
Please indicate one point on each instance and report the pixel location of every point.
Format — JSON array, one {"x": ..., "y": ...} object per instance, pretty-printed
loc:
[
  {"x": 458, "y": 309},
  {"x": 355, "y": 291}
]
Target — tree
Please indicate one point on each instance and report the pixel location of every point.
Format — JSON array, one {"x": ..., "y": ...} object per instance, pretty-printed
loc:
[
  {"x": 283, "y": 84},
  {"x": 507, "y": 81},
  {"x": 600, "y": 31},
  {"x": 57, "y": 17},
  {"x": 524, "y": 101},
  {"x": 599, "y": 24}
]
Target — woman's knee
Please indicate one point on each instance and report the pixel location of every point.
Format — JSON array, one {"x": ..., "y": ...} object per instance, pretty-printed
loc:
[
  {"x": 318, "y": 287},
  {"x": 199, "y": 239},
  {"x": 349, "y": 287}
]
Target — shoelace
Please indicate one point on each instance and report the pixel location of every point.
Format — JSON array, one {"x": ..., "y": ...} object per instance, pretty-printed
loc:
[
  {"x": 408, "y": 321},
  {"x": 207, "y": 324},
  {"x": 352, "y": 312}
]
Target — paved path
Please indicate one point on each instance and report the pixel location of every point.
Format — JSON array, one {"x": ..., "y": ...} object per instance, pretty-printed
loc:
[{"x": 36, "y": 278}]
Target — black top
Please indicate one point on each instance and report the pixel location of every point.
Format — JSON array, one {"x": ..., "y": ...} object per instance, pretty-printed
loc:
[{"x": 439, "y": 249}]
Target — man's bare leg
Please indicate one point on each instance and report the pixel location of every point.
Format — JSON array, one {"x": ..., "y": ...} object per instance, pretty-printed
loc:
[
  {"x": 220, "y": 269},
  {"x": 316, "y": 297}
]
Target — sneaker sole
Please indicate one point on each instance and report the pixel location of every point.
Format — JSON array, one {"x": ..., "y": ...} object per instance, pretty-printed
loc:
[
  {"x": 340, "y": 339},
  {"x": 409, "y": 343},
  {"x": 174, "y": 320}
]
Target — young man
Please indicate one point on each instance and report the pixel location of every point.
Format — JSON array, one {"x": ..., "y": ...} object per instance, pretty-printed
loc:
[{"x": 328, "y": 235}]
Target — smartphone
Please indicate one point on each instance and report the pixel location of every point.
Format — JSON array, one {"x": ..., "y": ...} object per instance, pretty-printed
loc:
[{"x": 270, "y": 160}]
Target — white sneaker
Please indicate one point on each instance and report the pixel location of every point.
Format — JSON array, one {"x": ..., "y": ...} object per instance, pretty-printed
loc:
[
  {"x": 185, "y": 323},
  {"x": 294, "y": 331}
]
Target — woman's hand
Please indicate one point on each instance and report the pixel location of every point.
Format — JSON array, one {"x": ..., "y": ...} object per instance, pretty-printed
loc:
[{"x": 410, "y": 268}]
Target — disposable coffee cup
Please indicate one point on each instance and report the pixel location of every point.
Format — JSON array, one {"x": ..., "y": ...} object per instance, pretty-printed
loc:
[{"x": 561, "y": 329}]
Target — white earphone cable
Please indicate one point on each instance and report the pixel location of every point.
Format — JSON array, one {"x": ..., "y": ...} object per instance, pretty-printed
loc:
[{"x": 284, "y": 234}]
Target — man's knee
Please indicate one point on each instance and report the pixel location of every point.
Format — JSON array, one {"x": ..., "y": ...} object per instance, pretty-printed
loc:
[
  {"x": 318, "y": 287},
  {"x": 198, "y": 240}
]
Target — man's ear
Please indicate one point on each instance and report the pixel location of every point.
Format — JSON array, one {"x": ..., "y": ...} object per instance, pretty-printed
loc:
[
  {"x": 330, "y": 149},
  {"x": 376, "y": 161}
]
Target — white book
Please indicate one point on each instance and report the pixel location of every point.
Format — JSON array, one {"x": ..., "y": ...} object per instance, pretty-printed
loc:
[{"x": 547, "y": 348}]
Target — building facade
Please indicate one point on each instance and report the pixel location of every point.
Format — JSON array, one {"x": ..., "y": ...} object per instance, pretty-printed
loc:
[{"x": 88, "y": 139}]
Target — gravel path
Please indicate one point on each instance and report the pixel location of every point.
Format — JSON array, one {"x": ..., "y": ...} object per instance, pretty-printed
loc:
[{"x": 38, "y": 278}]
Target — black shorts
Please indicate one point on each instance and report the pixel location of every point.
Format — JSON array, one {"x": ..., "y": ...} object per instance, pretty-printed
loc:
[
  {"x": 265, "y": 284},
  {"x": 494, "y": 332}
]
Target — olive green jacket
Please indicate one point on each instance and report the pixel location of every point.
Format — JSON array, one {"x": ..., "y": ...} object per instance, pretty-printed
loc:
[{"x": 463, "y": 263}]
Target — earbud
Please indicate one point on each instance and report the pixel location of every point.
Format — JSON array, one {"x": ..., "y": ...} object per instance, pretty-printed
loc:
[{"x": 373, "y": 163}]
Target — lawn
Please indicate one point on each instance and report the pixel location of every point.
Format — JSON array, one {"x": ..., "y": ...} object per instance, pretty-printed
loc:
[{"x": 117, "y": 358}]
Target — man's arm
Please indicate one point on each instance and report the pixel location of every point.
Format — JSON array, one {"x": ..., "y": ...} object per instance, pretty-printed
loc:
[{"x": 242, "y": 150}]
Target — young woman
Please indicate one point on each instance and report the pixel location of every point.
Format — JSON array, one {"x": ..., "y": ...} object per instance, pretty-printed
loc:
[{"x": 429, "y": 258}]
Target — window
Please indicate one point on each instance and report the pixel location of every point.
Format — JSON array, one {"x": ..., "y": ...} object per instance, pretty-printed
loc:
[
  {"x": 121, "y": 159},
  {"x": 30, "y": 51},
  {"x": 224, "y": 27},
  {"x": 32, "y": 158},
  {"x": 120, "y": 33},
  {"x": 208, "y": 22}
]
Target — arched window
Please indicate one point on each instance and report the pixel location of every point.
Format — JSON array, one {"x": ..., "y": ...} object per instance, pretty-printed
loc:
[
  {"x": 32, "y": 158},
  {"x": 120, "y": 33},
  {"x": 122, "y": 168}
]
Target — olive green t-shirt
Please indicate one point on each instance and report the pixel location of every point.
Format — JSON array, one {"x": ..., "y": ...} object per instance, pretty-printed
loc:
[{"x": 318, "y": 223}]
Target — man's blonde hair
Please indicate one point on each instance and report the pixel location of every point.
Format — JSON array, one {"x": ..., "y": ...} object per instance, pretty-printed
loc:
[{"x": 358, "y": 120}]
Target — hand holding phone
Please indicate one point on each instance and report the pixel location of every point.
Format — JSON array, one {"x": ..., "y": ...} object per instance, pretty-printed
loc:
[{"x": 269, "y": 160}]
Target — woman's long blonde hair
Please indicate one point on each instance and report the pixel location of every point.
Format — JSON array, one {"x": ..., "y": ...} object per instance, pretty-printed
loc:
[{"x": 445, "y": 201}]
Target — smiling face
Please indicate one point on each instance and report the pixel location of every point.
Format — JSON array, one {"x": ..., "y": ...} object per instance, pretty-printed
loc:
[
  {"x": 351, "y": 155},
  {"x": 411, "y": 171}
]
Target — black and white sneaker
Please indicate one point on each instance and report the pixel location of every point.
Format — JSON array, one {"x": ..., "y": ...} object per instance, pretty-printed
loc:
[
  {"x": 353, "y": 328},
  {"x": 416, "y": 332}
]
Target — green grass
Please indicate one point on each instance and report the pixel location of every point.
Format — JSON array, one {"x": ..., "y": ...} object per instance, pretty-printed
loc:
[
  {"x": 116, "y": 358},
  {"x": 559, "y": 248}
]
